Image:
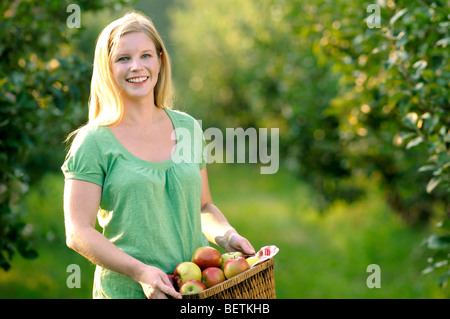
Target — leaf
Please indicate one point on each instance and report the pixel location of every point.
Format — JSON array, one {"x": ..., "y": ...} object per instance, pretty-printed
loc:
[
  {"x": 444, "y": 42},
  {"x": 399, "y": 95},
  {"x": 433, "y": 183},
  {"x": 397, "y": 16},
  {"x": 421, "y": 64},
  {"x": 428, "y": 270},
  {"x": 414, "y": 142},
  {"x": 29, "y": 253},
  {"x": 443, "y": 158},
  {"x": 404, "y": 136},
  {"x": 438, "y": 242},
  {"x": 4, "y": 262},
  {"x": 430, "y": 123},
  {"x": 427, "y": 168},
  {"x": 443, "y": 280}
]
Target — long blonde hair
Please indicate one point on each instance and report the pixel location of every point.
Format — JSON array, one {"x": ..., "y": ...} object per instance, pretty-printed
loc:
[{"x": 105, "y": 101}]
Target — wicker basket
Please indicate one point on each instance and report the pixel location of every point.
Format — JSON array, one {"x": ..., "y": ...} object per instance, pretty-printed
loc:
[{"x": 255, "y": 283}]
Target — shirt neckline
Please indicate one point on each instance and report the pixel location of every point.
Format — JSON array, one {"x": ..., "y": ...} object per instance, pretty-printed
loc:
[{"x": 163, "y": 164}]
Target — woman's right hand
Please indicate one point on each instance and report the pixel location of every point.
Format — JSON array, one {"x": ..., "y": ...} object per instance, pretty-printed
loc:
[{"x": 156, "y": 284}]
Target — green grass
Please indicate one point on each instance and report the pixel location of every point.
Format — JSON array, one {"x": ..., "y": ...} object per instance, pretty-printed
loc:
[{"x": 322, "y": 255}]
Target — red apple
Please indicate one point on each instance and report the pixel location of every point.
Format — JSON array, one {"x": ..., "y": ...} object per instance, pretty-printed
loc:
[
  {"x": 187, "y": 271},
  {"x": 212, "y": 276},
  {"x": 192, "y": 286},
  {"x": 228, "y": 255},
  {"x": 206, "y": 257},
  {"x": 235, "y": 266}
]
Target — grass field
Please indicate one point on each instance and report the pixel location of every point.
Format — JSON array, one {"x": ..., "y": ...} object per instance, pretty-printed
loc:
[{"x": 322, "y": 255}]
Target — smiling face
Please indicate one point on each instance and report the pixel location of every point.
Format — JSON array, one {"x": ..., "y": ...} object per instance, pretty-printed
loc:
[{"x": 135, "y": 66}]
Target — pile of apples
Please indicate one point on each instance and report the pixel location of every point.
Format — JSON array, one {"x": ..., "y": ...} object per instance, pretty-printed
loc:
[{"x": 207, "y": 268}]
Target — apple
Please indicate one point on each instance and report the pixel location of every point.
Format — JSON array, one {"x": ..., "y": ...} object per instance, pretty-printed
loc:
[
  {"x": 187, "y": 271},
  {"x": 228, "y": 255},
  {"x": 235, "y": 266},
  {"x": 212, "y": 276},
  {"x": 192, "y": 286},
  {"x": 206, "y": 257},
  {"x": 251, "y": 260}
]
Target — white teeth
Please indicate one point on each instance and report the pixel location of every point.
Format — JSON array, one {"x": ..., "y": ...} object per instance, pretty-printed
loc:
[{"x": 137, "y": 80}]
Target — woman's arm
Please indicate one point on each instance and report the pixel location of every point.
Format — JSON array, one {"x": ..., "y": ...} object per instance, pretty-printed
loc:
[
  {"x": 81, "y": 202},
  {"x": 216, "y": 227}
]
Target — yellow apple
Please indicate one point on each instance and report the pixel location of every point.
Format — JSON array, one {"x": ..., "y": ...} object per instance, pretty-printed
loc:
[{"x": 251, "y": 260}]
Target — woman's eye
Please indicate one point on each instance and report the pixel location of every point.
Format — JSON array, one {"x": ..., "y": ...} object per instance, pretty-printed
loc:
[
  {"x": 146, "y": 56},
  {"x": 124, "y": 58}
]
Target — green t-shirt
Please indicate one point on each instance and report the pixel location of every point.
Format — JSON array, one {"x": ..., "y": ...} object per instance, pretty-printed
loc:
[{"x": 149, "y": 210}]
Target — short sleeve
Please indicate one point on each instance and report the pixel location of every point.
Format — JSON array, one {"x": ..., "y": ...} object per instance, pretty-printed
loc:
[{"x": 84, "y": 160}]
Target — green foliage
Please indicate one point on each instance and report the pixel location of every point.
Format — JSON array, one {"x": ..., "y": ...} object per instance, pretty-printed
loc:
[
  {"x": 351, "y": 101},
  {"x": 43, "y": 83},
  {"x": 439, "y": 244},
  {"x": 256, "y": 67},
  {"x": 398, "y": 74},
  {"x": 398, "y": 77}
]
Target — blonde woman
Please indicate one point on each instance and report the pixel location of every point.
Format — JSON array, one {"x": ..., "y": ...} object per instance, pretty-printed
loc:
[{"x": 124, "y": 168}]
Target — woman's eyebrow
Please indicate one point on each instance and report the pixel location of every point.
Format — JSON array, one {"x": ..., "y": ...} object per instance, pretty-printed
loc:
[{"x": 127, "y": 52}]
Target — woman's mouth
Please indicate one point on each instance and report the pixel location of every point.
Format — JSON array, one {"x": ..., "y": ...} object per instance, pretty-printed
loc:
[{"x": 137, "y": 80}]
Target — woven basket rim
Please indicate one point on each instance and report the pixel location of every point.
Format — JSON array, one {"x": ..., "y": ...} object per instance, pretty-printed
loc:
[{"x": 233, "y": 281}]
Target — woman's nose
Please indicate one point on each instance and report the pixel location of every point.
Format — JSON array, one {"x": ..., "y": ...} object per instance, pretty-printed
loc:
[{"x": 136, "y": 65}]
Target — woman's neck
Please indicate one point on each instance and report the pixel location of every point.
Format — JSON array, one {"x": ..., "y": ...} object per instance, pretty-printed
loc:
[{"x": 140, "y": 112}]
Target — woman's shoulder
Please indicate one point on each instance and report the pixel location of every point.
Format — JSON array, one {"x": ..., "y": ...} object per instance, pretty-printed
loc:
[
  {"x": 89, "y": 134},
  {"x": 179, "y": 114},
  {"x": 92, "y": 130},
  {"x": 184, "y": 118}
]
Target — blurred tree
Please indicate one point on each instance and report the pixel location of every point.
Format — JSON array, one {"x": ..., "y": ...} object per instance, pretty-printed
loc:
[
  {"x": 396, "y": 79},
  {"x": 335, "y": 87},
  {"x": 394, "y": 91},
  {"x": 250, "y": 65},
  {"x": 42, "y": 85},
  {"x": 352, "y": 99}
]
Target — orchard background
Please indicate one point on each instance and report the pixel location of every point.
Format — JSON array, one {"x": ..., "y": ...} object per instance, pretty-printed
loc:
[{"x": 362, "y": 110}]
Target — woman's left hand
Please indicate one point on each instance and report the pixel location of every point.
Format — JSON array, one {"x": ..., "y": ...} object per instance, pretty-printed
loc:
[{"x": 232, "y": 241}]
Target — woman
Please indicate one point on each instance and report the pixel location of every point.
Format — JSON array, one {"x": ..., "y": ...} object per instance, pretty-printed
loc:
[{"x": 125, "y": 167}]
